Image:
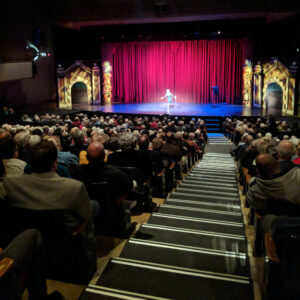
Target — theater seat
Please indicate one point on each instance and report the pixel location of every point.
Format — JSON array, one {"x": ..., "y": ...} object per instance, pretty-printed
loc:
[
  {"x": 114, "y": 218},
  {"x": 70, "y": 254},
  {"x": 142, "y": 194},
  {"x": 283, "y": 248}
]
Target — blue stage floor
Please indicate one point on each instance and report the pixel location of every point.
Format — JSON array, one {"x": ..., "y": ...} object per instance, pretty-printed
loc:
[{"x": 183, "y": 109}]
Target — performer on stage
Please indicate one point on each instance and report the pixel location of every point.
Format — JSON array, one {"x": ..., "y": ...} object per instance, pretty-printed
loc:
[{"x": 169, "y": 97}]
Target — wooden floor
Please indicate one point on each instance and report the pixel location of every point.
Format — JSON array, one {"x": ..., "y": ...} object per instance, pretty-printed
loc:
[{"x": 112, "y": 247}]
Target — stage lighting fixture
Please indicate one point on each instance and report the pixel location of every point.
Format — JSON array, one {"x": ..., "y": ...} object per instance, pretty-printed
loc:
[
  {"x": 219, "y": 32},
  {"x": 298, "y": 50},
  {"x": 38, "y": 53}
]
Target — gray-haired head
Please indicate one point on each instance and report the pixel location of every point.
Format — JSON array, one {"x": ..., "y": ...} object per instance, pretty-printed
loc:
[
  {"x": 34, "y": 140},
  {"x": 286, "y": 150},
  {"x": 22, "y": 139},
  {"x": 128, "y": 141}
]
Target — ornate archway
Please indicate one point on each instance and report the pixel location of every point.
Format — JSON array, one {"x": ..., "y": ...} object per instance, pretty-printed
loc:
[
  {"x": 275, "y": 72},
  {"x": 79, "y": 92},
  {"x": 78, "y": 72},
  {"x": 274, "y": 96}
]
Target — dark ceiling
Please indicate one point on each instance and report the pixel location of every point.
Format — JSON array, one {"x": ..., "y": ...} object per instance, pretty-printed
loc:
[
  {"x": 78, "y": 13},
  {"x": 81, "y": 26}
]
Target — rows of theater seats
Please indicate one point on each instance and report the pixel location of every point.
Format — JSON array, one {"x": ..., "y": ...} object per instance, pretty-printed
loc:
[
  {"x": 278, "y": 243},
  {"x": 280, "y": 248},
  {"x": 196, "y": 239},
  {"x": 71, "y": 255}
]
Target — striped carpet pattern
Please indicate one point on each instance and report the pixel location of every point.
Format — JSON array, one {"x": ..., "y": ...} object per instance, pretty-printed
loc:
[{"x": 194, "y": 247}]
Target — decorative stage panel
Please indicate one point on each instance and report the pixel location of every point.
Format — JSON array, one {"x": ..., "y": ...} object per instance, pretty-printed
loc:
[
  {"x": 247, "y": 83},
  {"x": 68, "y": 80},
  {"x": 107, "y": 85},
  {"x": 272, "y": 81}
]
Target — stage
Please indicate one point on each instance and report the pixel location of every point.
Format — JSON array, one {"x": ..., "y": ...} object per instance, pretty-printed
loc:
[{"x": 181, "y": 109}]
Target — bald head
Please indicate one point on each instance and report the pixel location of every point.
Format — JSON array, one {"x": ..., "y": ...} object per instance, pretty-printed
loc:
[
  {"x": 267, "y": 165},
  {"x": 95, "y": 152},
  {"x": 286, "y": 150},
  {"x": 248, "y": 139},
  {"x": 143, "y": 142}
]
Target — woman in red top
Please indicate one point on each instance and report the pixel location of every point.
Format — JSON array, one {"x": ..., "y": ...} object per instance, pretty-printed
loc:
[{"x": 297, "y": 160}]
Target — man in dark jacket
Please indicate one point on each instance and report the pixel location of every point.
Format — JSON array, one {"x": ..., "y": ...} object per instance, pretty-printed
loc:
[
  {"x": 274, "y": 192},
  {"x": 286, "y": 150}
]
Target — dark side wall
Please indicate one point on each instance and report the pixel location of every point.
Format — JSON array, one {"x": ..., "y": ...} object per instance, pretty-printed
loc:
[{"x": 20, "y": 22}]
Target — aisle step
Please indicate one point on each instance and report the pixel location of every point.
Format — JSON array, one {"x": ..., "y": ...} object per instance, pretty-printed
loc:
[
  {"x": 205, "y": 197},
  {"x": 203, "y": 191},
  {"x": 214, "y": 173},
  {"x": 196, "y": 223},
  {"x": 210, "y": 182},
  {"x": 189, "y": 257},
  {"x": 203, "y": 176},
  {"x": 195, "y": 238},
  {"x": 201, "y": 213},
  {"x": 143, "y": 280},
  {"x": 206, "y": 187},
  {"x": 197, "y": 204}
]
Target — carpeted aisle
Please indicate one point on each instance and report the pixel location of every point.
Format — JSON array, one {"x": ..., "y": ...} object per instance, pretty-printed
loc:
[{"x": 194, "y": 247}]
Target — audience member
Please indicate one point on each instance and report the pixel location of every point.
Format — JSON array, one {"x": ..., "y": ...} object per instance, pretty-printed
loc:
[
  {"x": 44, "y": 189},
  {"x": 286, "y": 150},
  {"x": 9, "y": 155},
  {"x": 273, "y": 190},
  {"x": 98, "y": 171},
  {"x": 297, "y": 159}
]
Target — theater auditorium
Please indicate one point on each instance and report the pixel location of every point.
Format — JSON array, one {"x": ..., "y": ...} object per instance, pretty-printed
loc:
[{"x": 149, "y": 150}]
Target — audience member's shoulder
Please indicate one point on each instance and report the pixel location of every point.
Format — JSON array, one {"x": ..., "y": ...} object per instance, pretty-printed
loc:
[{"x": 69, "y": 182}]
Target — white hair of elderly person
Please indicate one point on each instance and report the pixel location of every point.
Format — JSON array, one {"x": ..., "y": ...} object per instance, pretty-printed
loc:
[
  {"x": 268, "y": 135},
  {"x": 34, "y": 140}
]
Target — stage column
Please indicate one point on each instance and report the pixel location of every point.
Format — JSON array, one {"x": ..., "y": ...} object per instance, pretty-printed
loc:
[
  {"x": 61, "y": 88},
  {"x": 294, "y": 88},
  {"x": 257, "y": 86},
  {"x": 96, "y": 87},
  {"x": 107, "y": 84}
]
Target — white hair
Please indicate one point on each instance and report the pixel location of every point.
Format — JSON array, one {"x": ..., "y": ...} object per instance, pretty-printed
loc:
[
  {"x": 34, "y": 140},
  {"x": 268, "y": 135}
]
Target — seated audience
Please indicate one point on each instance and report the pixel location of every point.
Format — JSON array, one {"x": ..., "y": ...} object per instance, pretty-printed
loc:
[
  {"x": 44, "y": 189},
  {"x": 297, "y": 159},
  {"x": 130, "y": 157},
  {"x": 9, "y": 155},
  {"x": 274, "y": 191},
  {"x": 98, "y": 171},
  {"x": 286, "y": 150},
  {"x": 170, "y": 150}
]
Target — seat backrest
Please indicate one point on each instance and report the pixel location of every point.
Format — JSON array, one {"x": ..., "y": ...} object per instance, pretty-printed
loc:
[
  {"x": 134, "y": 172},
  {"x": 99, "y": 191},
  {"x": 111, "y": 220},
  {"x": 286, "y": 236},
  {"x": 51, "y": 223}
]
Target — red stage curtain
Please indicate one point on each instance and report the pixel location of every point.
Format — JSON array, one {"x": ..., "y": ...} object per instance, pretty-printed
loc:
[{"x": 142, "y": 71}]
